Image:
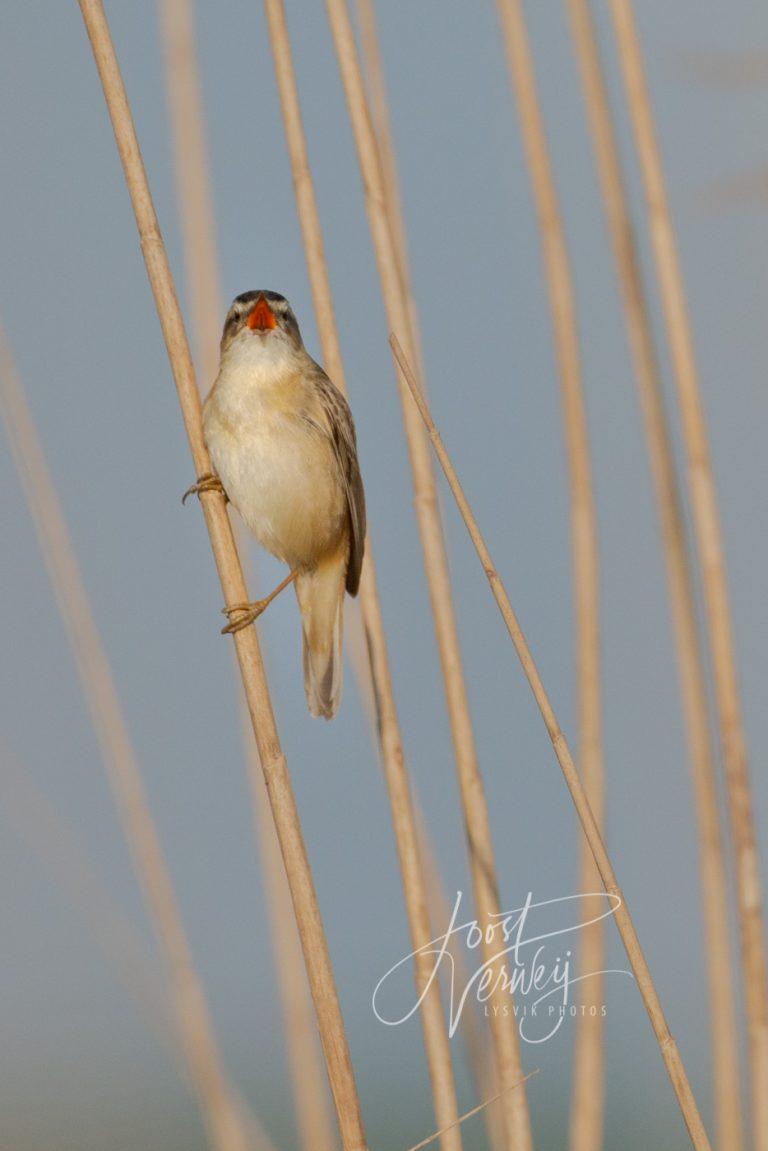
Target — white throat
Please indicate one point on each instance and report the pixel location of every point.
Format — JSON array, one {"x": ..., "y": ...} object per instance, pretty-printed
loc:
[{"x": 264, "y": 360}]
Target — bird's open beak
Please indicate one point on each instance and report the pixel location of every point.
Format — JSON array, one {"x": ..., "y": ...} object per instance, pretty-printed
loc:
[{"x": 262, "y": 318}]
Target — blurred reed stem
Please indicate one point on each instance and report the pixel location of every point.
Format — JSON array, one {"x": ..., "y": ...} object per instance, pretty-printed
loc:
[
  {"x": 507, "y": 1057},
  {"x": 483, "y": 1067},
  {"x": 221, "y": 1115},
  {"x": 708, "y": 537},
  {"x": 479, "y": 1053},
  {"x": 588, "y": 1094},
  {"x": 194, "y": 195},
  {"x": 382, "y": 126},
  {"x": 38, "y": 823},
  {"x": 58, "y": 847},
  {"x": 479, "y": 1056},
  {"x": 310, "y": 1092},
  {"x": 690, "y": 659},
  {"x": 273, "y": 761},
  {"x": 436, "y": 1040},
  {"x": 466, "y": 1115},
  {"x": 589, "y": 824}
]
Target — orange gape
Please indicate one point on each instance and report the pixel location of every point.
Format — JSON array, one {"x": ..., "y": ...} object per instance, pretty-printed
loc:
[{"x": 262, "y": 318}]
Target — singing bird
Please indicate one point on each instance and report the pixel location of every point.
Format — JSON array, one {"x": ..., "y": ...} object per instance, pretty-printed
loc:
[{"x": 282, "y": 443}]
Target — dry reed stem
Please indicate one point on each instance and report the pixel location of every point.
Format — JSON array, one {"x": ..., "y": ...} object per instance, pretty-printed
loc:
[
  {"x": 380, "y": 118},
  {"x": 573, "y": 781},
  {"x": 588, "y": 1094},
  {"x": 714, "y": 885},
  {"x": 273, "y": 762},
  {"x": 195, "y": 198},
  {"x": 707, "y": 532},
  {"x": 357, "y": 650},
  {"x": 192, "y": 1015},
  {"x": 310, "y": 1092},
  {"x": 193, "y": 187},
  {"x": 436, "y": 1039},
  {"x": 479, "y": 1054},
  {"x": 468, "y": 1114},
  {"x": 56, "y": 844},
  {"x": 482, "y": 864}
]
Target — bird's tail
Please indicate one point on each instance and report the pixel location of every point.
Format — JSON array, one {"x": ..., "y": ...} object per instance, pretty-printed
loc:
[{"x": 321, "y": 599}]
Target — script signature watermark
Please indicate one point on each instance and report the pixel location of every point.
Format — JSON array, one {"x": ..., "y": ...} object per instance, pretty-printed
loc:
[{"x": 529, "y": 973}]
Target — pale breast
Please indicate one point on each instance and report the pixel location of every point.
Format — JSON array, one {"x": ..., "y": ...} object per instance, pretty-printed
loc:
[{"x": 279, "y": 471}]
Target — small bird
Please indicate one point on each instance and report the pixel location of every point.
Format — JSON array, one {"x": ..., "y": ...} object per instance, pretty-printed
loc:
[{"x": 282, "y": 442}]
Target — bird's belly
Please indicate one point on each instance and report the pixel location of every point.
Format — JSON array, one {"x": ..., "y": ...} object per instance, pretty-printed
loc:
[{"x": 283, "y": 480}]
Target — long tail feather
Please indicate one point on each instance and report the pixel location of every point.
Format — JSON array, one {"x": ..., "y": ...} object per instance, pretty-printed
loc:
[{"x": 321, "y": 598}]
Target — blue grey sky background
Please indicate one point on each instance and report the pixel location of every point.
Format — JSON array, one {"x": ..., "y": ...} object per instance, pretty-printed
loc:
[{"x": 78, "y": 1067}]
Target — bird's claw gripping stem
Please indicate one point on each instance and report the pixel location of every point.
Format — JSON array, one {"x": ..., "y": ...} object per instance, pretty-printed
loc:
[
  {"x": 206, "y": 483},
  {"x": 246, "y": 613}
]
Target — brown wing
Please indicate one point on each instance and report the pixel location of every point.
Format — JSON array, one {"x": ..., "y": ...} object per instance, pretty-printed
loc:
[{"x": 341, "y": 431}]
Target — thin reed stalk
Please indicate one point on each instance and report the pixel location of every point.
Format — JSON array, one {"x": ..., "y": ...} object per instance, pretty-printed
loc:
[
  {"x": 41, "y": 827},
  {"x": 479, "y": 1054},
  {"x": 474, "y": 805},
  {"x": 708, "y": 537},
  {"x": 382, "y": 126},
  {"x": 273, "y": 762},
  {"x": 588, "y": 1094},
  {"x": 436, "y": 1039},
  {"x": 194, "y": 195},
  {"x": 310, "y": 1092},
  {"x": 193, "y": 186},
  {"x": 690, "y": 659},
  {"x": 193, "y": 1019},
  {"x": 38, "y": 823},
  {"x": 590, "y": 826},
  {"x": 357, "y": 650},
  {"x": 467, "y": 1115},
  {"x": 479, "y": 1057},
  {"x": 483, "y": 1074}
]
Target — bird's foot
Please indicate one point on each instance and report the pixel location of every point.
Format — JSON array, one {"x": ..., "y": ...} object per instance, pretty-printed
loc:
[
  {"x": 207, "y": 483},
  {"x": 246, "y": 614}
]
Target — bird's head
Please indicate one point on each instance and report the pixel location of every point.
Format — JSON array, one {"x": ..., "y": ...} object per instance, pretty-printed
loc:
[{"x": 261, "y": 315}]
